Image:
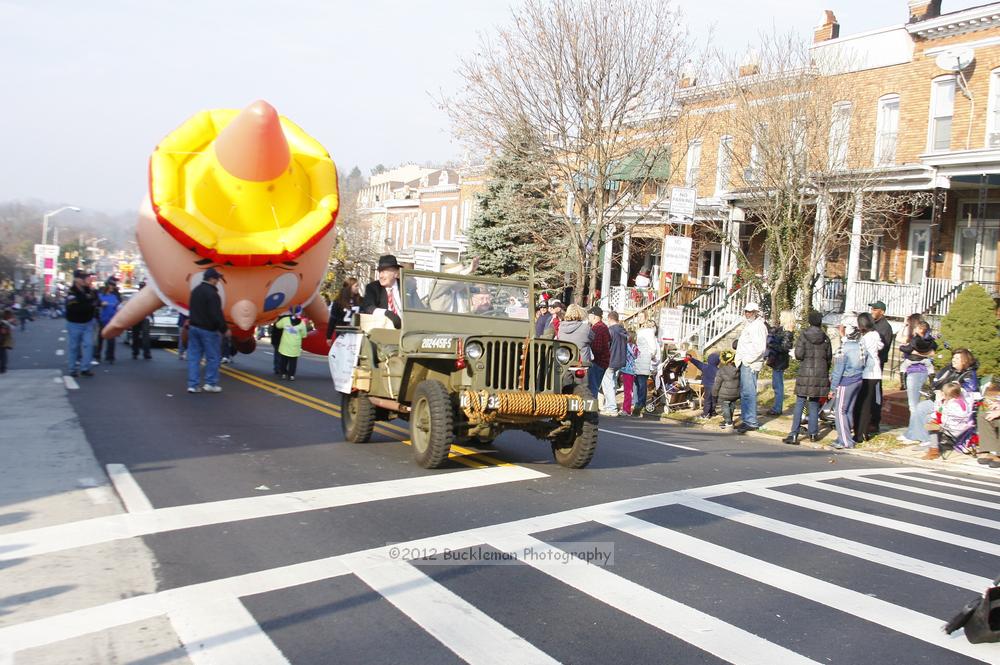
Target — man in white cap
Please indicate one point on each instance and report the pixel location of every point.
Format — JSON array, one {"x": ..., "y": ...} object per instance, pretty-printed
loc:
[{"x": 750, "y": 350}]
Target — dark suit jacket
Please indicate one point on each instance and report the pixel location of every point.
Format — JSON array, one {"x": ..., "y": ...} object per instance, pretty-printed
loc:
[{"x": 376, "y": 297}]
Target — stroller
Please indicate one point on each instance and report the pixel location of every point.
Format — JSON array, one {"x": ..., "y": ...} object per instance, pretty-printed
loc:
[{"x": 671, "y": 389}]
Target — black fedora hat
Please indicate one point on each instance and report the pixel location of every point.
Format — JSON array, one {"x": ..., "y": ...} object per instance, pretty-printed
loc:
[{"x": 388, "y": 261}]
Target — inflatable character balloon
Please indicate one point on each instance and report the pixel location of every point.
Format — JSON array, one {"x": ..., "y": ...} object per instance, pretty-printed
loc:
[{"x": 250, "y": 194}]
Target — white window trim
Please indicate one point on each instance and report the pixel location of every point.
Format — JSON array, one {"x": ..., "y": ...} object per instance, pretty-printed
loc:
[
  {"x": 956, "y": 270},
  {"x": 725, "y": 153},
  {"x": 884, "y": 101},
  {"x": 930, "y": 110},
  {"x": 834, "y": 151},
  {"x": 991, "y": 107},
  {"x": 693, "y": 164}
]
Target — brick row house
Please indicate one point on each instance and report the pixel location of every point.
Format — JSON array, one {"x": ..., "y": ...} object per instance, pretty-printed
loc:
[
  {"x": 924, "y": 99},
  {"x": 421, "y": 214}
]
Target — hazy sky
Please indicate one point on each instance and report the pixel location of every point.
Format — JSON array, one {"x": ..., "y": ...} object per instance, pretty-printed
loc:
[{"x": 90, "y": 87}]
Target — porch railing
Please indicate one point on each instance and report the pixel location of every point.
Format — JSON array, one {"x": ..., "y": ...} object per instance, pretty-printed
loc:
[
  {"x": 704, "y": 328},
  {"x": 932, "y": 297},
  {"x": 627, "y": 299}
]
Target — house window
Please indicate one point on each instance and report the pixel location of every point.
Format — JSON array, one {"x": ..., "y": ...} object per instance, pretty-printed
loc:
[
  {"x": 434, "y": 223},
  {"x": 868, "y": 260},
  {"x": 976, "y": 244},
  {"x": 662, "y": 192},
  {"x": 753, "y": 173},
  {"x": 693, "y": 162},
  {"x": 887, "y": 130},
  {"x": 724, "y": 166},
  {"x": 942, "y": 109},
  {"x": 840, "y": 131},
  {"x": 993, "y": 112},
  {"x": 454, "y": 222}
]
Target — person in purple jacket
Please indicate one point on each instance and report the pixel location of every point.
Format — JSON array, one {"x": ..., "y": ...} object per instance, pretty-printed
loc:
[{"x": 708, "y": 370}]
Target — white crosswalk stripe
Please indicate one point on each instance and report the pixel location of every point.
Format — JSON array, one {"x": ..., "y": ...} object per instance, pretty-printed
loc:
[
  {"x": 206, "y": 615},
  {"x": 932, "y": 493}
]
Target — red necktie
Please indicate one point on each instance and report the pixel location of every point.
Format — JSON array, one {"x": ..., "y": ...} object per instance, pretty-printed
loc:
[{"x": 392, "y": 302}]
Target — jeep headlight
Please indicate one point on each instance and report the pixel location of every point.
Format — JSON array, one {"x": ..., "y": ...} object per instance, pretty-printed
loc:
[
  {"x": 563, "y": 355},
  {"x": 474, "y": 350}
]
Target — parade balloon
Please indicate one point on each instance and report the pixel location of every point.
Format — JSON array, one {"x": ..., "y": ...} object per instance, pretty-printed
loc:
[{"x": 249, "y": 194}]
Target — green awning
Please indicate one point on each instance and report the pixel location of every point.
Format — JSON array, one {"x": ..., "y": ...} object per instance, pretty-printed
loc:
[{"x": 643, "y": 165}]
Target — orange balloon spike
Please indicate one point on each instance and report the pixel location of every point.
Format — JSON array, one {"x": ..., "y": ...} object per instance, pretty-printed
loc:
[{"x": 253, "y": 146}]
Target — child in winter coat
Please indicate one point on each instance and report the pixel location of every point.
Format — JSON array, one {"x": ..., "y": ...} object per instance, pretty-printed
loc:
[
  {"x": 726, "y": 387},
  {"x": 957, "y": 418},
  {"x": 293, "y": 329},
  {"x": 628, "y": 372},
  {"x": 708, "y": 369}
]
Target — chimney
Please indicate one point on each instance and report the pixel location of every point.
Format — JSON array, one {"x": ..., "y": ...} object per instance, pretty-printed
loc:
[
  {"x": 829, "y": 30},
  {"x": 921, "y": 10}
]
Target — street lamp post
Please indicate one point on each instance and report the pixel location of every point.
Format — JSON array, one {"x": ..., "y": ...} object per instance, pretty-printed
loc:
[{"x": 39, "y": 262}]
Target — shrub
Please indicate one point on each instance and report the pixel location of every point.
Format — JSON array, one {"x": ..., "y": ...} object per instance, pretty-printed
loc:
[{"x": 972, "y": 323}]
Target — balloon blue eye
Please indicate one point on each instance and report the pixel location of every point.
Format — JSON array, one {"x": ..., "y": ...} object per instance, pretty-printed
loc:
[
  {"x": 282, "y": 290},
  {"x": 274, "y": 301}
]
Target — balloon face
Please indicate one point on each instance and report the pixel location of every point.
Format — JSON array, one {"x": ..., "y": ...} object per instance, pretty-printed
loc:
[{"x": 250, "y": 296}]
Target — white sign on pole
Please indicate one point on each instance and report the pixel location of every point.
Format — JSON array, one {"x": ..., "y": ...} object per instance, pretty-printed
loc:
[
  {"x": 676, "y": 255},
  {"x": 682, "y": 204},
  {"x": 343, "y": 358},
  {"x": 670, "y": 324}
]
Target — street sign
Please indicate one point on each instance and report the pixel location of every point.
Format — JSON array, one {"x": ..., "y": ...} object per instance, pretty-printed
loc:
[
  {"x": 682, "y": 204},
  {"x": 676, "y": 255},
  {"x": 670, "y": 324},
  {"x": 46, "y": 264}
]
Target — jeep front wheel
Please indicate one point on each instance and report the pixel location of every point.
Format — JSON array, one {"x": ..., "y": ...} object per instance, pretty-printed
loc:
[
  {"x": 357, "y": 417},
  {"x": 432, "y": 422},
  {"x": 575, "y": 447}
]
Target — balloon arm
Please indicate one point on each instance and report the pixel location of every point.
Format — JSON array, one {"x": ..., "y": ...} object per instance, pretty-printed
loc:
[
  {"x": 139, "y": 306},
  {"x": 316, "y": 341}
]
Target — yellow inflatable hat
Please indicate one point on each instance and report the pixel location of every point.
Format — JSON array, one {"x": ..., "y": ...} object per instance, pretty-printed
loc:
[{"x": 243, "y": 188}]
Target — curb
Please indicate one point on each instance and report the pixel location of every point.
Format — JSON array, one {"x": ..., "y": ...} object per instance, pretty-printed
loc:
[{"x": 993, "y": 474}]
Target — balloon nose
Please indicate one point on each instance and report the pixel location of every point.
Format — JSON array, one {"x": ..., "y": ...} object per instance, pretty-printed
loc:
[
  {"x": 244, "y": 314},
  {"x": 253, "y": 146}
]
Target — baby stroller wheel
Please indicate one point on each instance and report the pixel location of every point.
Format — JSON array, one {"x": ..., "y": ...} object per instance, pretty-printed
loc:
[{"x": 650, "y": 408}]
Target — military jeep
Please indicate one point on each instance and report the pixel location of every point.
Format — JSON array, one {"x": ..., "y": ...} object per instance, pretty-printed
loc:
[{"x": 465, "y": 366}]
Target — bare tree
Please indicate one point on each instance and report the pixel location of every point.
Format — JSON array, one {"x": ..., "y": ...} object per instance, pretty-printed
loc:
[
  {"x": 596, "y": 82},
  {"x": 800, "y": 171}
]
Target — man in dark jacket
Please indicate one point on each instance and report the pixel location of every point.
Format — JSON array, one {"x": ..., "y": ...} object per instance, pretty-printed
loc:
[
  {"x": 542, "y": 318},
  {"x": 207, "y": 322},
  {"x": 600, "y": 348},
  {"x": 617, "y": 358},
  {"x": 81, "y": 308},
  {"x": 813, "y": 382},
  {"x": 884, "y": 331},
  {"x": 383, "y": 296}
]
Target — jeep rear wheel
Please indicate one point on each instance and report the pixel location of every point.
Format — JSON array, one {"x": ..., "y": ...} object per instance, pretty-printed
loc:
[
  {"x": 357, "y": 417},
  {"x": 575, "y": 447},
  {"x": 432, "y": 422}
]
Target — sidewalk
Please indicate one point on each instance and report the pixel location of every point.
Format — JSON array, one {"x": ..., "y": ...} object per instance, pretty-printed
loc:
[
  {"x": 884, "y": 446},
  {"x": 51, "y": 477}
]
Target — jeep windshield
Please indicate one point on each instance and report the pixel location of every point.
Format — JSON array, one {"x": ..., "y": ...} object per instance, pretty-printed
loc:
[{"x": 453, "y": 296}]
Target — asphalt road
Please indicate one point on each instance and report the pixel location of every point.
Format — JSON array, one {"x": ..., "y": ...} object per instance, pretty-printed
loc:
[{"x": 278, "y": 542}]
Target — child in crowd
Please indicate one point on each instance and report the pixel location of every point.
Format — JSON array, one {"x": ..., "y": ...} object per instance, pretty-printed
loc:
[
  {"x": 956, "y": 415},
  {"x": 919, "y": 351},
  {"x": 708, "y": 371},
  {"x": 628, "y": 372},
  {"x": 7, "y": 324},
  {"x": 293, "y": 330},
  {"x": 726, "y": 387}
]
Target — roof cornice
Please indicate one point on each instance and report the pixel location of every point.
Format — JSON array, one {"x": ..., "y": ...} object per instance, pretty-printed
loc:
[{"x": 957, "y": 23}]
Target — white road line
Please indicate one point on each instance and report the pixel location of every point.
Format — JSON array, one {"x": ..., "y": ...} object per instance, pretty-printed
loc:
[
  {"x": 963, "y": 479},
  {"x": 884, "y": 522},
  {"x": 945, "y": 574},
  {"x": 103, "y": 617},
  {"x": 937, "y": 495},
  {"x": 60, "y": 352},
  {"x": 939, "y": 483},
  {"x": 642, "y": 438},
  {"x": 708, "y": 633},
  {"x": 907, "y": 505},
  {"x": 132, "y": 496},
  {"x": 62, "y": 339},
  {"x": 70, "y": 382},
  {"x": 901, "y": 619},
  {"x": 58, "y": 379},
  {"x": 97, "y": 492},
  {"x": 465, "y": 630},
  {"x": 116, "y": 527},
  {"x": 221, "y": 631}
]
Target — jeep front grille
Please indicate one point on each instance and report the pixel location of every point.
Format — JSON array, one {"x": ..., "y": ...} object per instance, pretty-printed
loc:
[{"x": 503, "y": 366}]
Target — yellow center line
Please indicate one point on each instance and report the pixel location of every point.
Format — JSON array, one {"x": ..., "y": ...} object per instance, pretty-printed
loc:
[{"x": 458, "y": 453}]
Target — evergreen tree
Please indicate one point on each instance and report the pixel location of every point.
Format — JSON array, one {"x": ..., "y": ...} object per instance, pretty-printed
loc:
[
  {"x": 972, "y": 323},
  {"x": 512, "y": 227}
]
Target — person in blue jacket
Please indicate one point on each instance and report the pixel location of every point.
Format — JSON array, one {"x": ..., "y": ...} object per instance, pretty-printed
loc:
[
  {"x": 110, "y": 301},
  {"x": 708, "y": 370}
]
